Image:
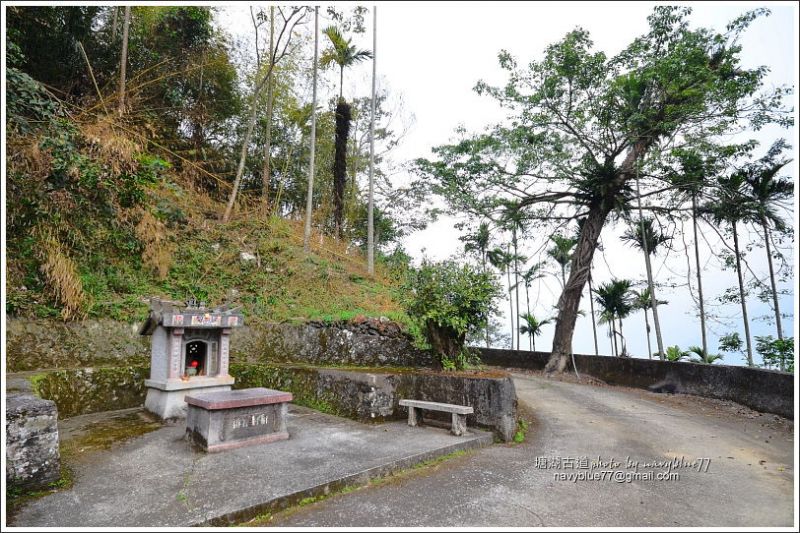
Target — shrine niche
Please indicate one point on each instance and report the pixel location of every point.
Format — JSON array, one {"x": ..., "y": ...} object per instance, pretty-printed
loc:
[{"x": 190, "y": 350}]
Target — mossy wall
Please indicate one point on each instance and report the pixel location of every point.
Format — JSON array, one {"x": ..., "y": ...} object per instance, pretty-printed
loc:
[
  {"x": 47, "y": 344},
  {"x": 90, "y": 390},
  {"x": 367, "y": 395}
]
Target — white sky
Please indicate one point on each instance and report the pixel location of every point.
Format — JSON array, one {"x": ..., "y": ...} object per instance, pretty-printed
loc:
[{"x": 432, "y": 54}]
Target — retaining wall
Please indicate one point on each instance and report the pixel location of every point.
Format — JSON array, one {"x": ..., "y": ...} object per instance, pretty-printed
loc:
[
  {"x": 44, "y": 344},
  {"x": 769, "y": 391},
  {"x": 365, "y": 395}
]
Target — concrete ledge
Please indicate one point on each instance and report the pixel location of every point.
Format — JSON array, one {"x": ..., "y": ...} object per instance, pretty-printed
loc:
[
  {"x": 239, "y": 398},
  {"x": 191, "y": 383},
  {"x": 768, "y": 391}
]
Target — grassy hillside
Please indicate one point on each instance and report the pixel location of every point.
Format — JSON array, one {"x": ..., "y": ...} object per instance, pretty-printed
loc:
[{"x": 98, "y": 222}]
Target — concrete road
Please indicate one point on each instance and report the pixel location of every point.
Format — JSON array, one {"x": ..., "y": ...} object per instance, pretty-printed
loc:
[{"x": 745, "y": 477}]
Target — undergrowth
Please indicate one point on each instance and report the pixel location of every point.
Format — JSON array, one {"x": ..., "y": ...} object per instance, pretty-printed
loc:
[{"x": 97, "y": 225}]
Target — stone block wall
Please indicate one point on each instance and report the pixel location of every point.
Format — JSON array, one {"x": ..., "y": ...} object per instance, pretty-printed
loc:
[
  {"x": 32, "y": 458},
  {"x": 48, "y": 344}
]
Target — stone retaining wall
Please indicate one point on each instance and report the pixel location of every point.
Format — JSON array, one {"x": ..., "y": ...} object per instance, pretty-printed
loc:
[
  {"x": 32, "y": 458},
  {"x": 375, "y": 395},
  {"x": 44, "y": 344},
  {"x": 763, "y": 390},
  {"x": 365, "y": 395}
]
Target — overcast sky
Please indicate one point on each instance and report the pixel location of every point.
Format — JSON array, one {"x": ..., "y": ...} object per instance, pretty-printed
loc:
[{"x": 432, "y": 54}]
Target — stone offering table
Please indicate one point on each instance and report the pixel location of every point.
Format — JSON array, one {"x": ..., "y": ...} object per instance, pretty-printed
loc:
[{"x": 223, "y": 420}]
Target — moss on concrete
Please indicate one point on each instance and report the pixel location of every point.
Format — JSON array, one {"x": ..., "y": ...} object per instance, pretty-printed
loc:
[{"x": 91, "y": 390}]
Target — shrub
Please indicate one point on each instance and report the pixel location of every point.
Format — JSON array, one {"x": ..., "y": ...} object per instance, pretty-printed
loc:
[
  {"x": 776, "y": 352},
  {"x": 449, "y": 301}
]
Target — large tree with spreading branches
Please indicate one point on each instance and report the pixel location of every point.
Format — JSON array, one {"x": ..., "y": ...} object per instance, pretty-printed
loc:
[{"x": 584, "y": 127}]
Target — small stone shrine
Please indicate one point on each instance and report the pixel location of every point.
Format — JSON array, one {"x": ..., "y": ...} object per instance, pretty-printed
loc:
[
  {"x": 190, "y": 350},
  {"x": 219, "y": 421}
]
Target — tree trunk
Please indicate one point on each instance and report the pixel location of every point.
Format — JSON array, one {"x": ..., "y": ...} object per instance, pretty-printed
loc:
[
  {"x": 591, "y": 308},
  {"x": 483, "y": 257},
  {"x": 622, "y": 338},
  {"x": 371, "y": 193},
  {"x": 649, "y": 269},
  {"x": 516, "y": 276},
  {"x": 510, "y": 303},
  {"x": 571, "y": 295},
  {"x": 265, "y": 171},
  {"x": 531, "y": 342},
  {"x": 699, "y": 276},
  {"x": 614, "y": 336},
  {"x": 313, "y": 142},
  {"x": 772, "y": 282},
  {"x": 444, "y": 341},
  {"x": 647, "y": 332},
  {"x": 610, "y": 341},
  {"x": 340, "y": 164},
  {"x": 123, "y": 62},
  {"x": 582, "y": 260},
  {"x": 741, "y": 295},
  {"x": 114, "y": 24}
]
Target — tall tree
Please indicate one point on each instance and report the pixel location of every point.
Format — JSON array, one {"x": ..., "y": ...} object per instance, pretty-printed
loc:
[
  {"x": 512, "y": 219},
  {"x": 532, "y": 327},
  {"x": 479, "y": 242},
  {"x": 123, "y": 60},
  {"x": 296, "y": 15},
  {"x": 768, "y": 192},
  {"x": 344, "y": 54},
  {"x": 265, "y": 171},
  {"x": 371, "y": 199},
  {"x": 730, "y": 206},
  {"x": 502, "y": 260},
  {"x": 645, "y": 236},
  {"x": 692, "y": 174},
  {"x": 583, "y": 123},
  {"x": 647, "y": 246},
  {"x": 642, "y": 301},
  {"x": 312, "y": 139},
  {"x": 614, "y": 299},
  {"x": 561, "y": 252},
  {"x": 528, "y": 277}
]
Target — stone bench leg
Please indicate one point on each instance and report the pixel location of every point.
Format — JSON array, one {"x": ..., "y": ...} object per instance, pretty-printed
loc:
[
  {"x": 459, "y": 425},
  {"x": 412, "y": 416}
]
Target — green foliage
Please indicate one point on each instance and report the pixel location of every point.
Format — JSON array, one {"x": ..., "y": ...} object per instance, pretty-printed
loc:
[
  {"x": 532, "y": 326},
  {"x": 450, "y": 300},
  {"x": 451, "y": 295},
  {"x": 27, "y": 102},
  {"x": 644, "y": 233},
  {"x": 521, "y": 432},
  {"x": 776, "y": 353},
  {"x": 674, "y": 353},
  {"x": 614, "y": 299},
  {"x": 731, "y": 342},
  {"x": 701, "y": 356}
]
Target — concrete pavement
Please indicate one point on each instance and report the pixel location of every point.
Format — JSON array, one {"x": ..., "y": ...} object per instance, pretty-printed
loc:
[
  {"x": 745, "y": 476},
  {"x": 157, "y": 479}
]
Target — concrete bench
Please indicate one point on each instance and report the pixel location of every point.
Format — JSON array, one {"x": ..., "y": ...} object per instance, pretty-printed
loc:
[
  {"x": 459, "y": 412},
  {"x": 223, "y": 420}
]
